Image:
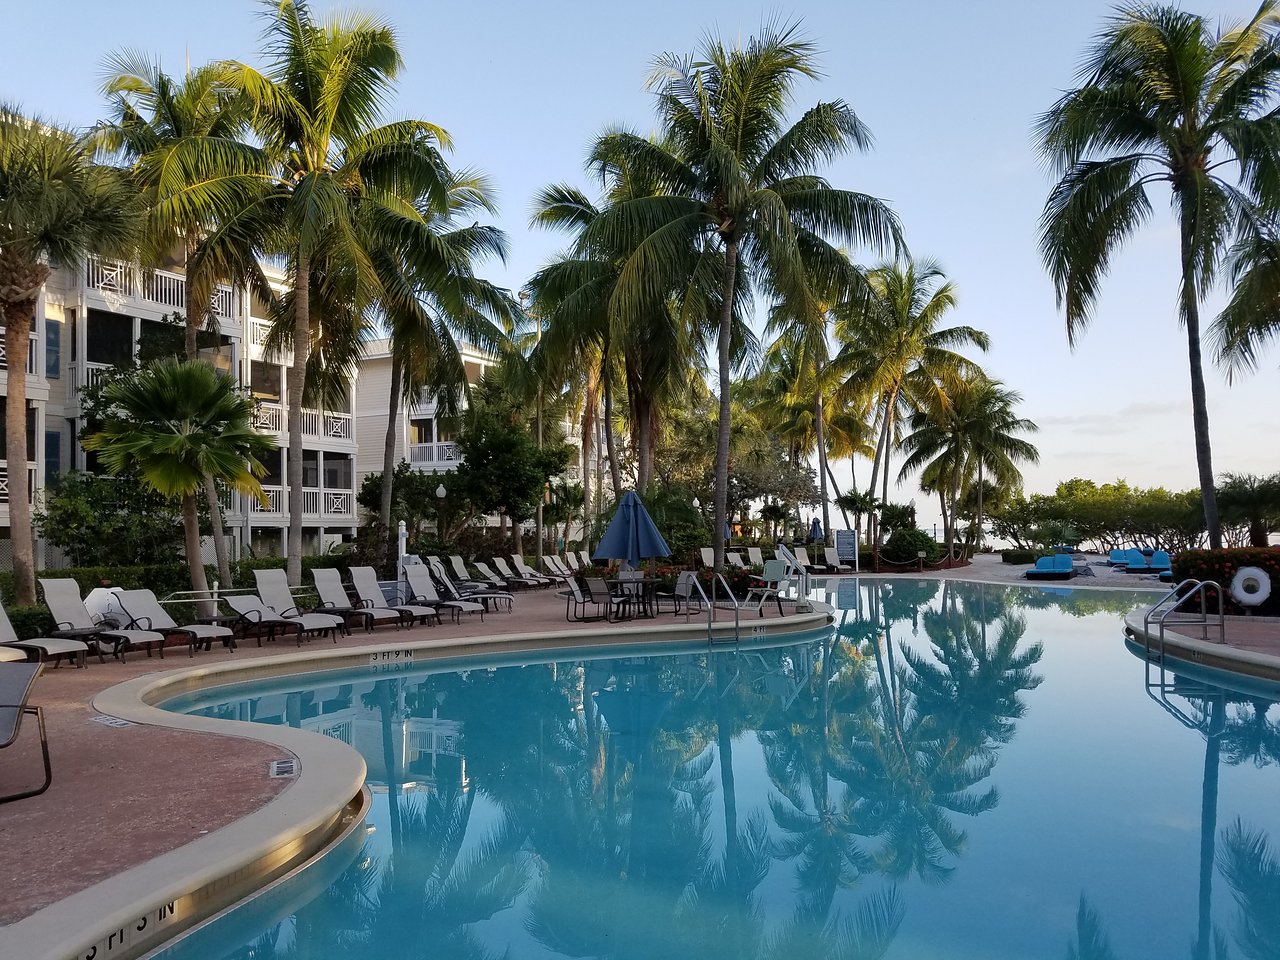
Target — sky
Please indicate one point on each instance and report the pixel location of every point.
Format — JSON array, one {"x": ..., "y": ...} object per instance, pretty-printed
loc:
[{"x": 950, "y": 92}]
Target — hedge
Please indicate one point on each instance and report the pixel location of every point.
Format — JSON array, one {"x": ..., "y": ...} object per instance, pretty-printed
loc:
[
  {"x": 1021, "y": 556},
  {"x": 1221, "y": 566},
  {"x": 160, "y": 578},
  {"x": 29, "y": 622}
]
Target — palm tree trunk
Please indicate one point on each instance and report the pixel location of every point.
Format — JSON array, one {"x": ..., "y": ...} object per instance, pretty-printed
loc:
[
  {"x": 1199, "y": 402},
  {"x": 17, "y": 324},
  {"x": 831, "y": 475},
  {"x": 588, "y": 438},
  {"x": 297, "y": 380},
  {"x": 821, "y": 440},
  {"x": 611, "y": 444},
  {"x": 195, "y": 563},
  {"x": 1209, "y": 827},
  {"x": 728, "y": 788},
  {"x": 978, "y": 519},
  {"x": 644, "y": 444},
  {"x": 722, "y": 435},
  {"x": 389, "y": 460}
]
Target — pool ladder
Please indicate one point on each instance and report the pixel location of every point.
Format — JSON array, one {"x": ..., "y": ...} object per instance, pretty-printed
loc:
[
  {"x": 1168, "y": 605},
  {"x": 709, "y": 604}
]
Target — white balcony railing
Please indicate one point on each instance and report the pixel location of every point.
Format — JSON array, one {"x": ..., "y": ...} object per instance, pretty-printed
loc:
[
  {"x": 268, "y": 418},
  {"x": 326, "y": 424},
  {"x": 4, "y": 481},
  {"x": 120, "y": 279},
  {"x": 315, "y": 503},
  {"x": 443, "y": 454},
  {"x": 259, "y": 330},
  {"x": 273, "y": 501},
  {"x": 31, "y": 353},
  {"x": 93, "y": 373}
]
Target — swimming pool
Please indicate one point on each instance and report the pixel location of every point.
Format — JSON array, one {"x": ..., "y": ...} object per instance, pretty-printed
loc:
[{"x": 955, "y": 770}]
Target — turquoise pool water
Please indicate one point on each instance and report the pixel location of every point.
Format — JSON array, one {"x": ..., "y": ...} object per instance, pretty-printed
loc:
[{"x": 955, "y": 771}]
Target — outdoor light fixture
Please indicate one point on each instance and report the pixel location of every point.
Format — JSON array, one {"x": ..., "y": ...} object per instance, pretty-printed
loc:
[
  {"x": 697, "y": 504},
  {"x": 440, "y": 491}
]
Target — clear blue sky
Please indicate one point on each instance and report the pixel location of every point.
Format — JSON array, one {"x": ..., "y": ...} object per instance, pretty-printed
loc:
[{"x": 949, "y": 90}]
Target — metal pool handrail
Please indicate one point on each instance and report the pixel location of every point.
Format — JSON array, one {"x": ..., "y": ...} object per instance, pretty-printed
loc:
[
  {"x": 737, "y": 620},
  {"x": 1166, "y": 610}
]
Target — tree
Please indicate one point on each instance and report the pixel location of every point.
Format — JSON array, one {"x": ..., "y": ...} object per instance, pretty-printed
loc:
[
  {"x": 1164, "y": 98},
  {"x": 336, "y": 193},
  {"x": 56, "y": 206},
  {"x": 101, "y": 521},
  {"x": 182, "y": 140},
  {"x": 177, "y": 422},
  {"x": 739, "y": 181},
  {"x": 896, "y": 351},
  {"x": 1251, "y": 501}
]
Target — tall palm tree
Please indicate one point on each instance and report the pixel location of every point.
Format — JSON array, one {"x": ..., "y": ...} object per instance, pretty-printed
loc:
[
  {"x": 895, "y": 349},
  {"x": 971, "y": 432},
  {"x": 1164, "y": 97},
  {"x": 56, "y": 206},
  {"x": 183, "y": 141},
  {"x": 175, "y": 423},
  {"x": 738, "y": 181},
  {"x": 337, "y": 189}
]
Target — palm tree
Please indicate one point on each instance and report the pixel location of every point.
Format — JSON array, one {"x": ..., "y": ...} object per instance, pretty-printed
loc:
[
  {"x": 971, "y": 431},
  {"x": 183, "y": 142},
  {"x": 336, "y": 194},
  {"x": 895, "y": 350},
  {"x": 175, "y": 423},
  {"x": 1164, "y": 98},
  {"x": 1249, "y": 500},
  {"x": 738, "y": 182},
  {"x": 56, "y": 206}
]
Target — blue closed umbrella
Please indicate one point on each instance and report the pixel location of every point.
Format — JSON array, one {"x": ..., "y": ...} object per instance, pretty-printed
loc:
[
  {"x": 632, "y": 535},
  {"x": 815, "y": 530}
]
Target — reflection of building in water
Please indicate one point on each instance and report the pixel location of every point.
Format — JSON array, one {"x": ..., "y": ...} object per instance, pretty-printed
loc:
[{"x": 424, "y": 750}]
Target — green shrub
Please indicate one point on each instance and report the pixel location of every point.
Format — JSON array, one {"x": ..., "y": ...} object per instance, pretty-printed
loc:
[
  {"x": 905, "y": 545},
  {"x": 1221, "y": 566},
  {"x": 1020, "y": 556},
  {"x": 30, "y": 622},
  {"x": 160, "y": 578}
]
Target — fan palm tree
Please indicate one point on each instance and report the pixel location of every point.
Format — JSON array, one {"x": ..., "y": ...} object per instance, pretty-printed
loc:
[
  {"x": 970, "y": 431},
  {"x": 175, "y": 423},
  {"x": 183, "y": 141},
  {"x": 896, "y": 351},
  {"x": 1164, "y": 97},
  {"x": 1250, "y": 500},
  {"x": 336, "y": 195},
  {"x": 738, "y": 181},
  {"x": 56, "y": 206}
]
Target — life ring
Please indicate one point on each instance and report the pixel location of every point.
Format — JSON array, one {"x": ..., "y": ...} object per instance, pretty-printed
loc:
[{"x": 1251, "y": 586}]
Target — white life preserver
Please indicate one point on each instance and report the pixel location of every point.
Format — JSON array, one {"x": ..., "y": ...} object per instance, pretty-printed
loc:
[{"x": 1251, "y": 586}]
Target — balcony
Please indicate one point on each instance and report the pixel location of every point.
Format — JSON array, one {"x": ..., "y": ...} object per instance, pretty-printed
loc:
[
  {"x": 31, "y": 353},
  {"x": 269, "y": 418},
  {"x": 434, "y": 456},
  {"x": 4, "y": 483},
  {"x": 116, "y": 278},
  {"x": 320, "y": 424},
  {"x": 92, "y": 373},
  {"x": 318, "y": 503}
]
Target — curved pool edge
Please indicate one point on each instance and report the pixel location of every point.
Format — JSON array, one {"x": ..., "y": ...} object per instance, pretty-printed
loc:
[
  {"x": 1205, "y": 653},
  {"x": 142, "y": 908}
]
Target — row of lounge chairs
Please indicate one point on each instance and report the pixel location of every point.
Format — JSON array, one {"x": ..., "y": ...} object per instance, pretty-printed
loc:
[
  {"x": 755, "y": 558},
  {"x": 1136, "y": 561}
]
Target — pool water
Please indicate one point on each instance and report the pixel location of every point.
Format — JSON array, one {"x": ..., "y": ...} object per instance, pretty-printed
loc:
[{"x": 954, "y": 771}]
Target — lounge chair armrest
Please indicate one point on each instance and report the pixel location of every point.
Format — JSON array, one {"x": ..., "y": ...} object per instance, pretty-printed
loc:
[
  {"x": 290, "y": 612},
  {"x": 63, "y": 625}
]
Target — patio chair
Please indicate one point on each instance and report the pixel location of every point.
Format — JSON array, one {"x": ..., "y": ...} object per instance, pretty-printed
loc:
[
  {"x": 767, "y": 585},
  {"x": 496, "y": 581},
  {"x": 524, "y": 570},
  {"x": 1117, "y": 558},
  {"x": 460, "y": 571},
  {"x": 683, "y": 596},
  {"x": 708, "y": 556},
  {"x": 470, "y": 591},
  {"x": 513, "y": 577},
  {"x": 734, "y": 559},
  {"x": 423, "y": 590},
  {"x": 802, "y": 555},
  {"x": 834, "y": 562},
  {"x": 587, "y": 562},
  {"x": 575, "y": 604},
  {"x": 1136, "y": 562},
  {"x": 256, "y": 617},
  {"x": 571, "y": 561},
  {"x": 1057, "y": 567},
  {"x": 45, "y": 648},
  {"x": 274, "y": 590},
  {"x": 370, "y": 593},
  {"x": 62, "y": 597},
  {"x": 554, "y": 570},
  {"x": 616, "y": 606},
  {"x": 755, "y": 556},
  {"x": 15, "y": 690},
  {"x": 146, "y": 613},
  {"x": 1160, "y": 561},
  {"x": 334, "y": 600}
]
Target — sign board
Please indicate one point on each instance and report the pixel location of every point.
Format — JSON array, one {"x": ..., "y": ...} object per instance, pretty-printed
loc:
[{"x": 847, "y": 545}]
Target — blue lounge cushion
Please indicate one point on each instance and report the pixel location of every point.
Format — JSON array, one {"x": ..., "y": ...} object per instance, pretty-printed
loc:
[
  {"x": 1160, "y": 561},
  {"x": 1062, "y": 563},
  {"x": 1117, "y": 558}
]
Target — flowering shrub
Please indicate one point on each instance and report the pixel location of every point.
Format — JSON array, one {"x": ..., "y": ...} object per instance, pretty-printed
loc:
[{"x": 1221, "y": 566}]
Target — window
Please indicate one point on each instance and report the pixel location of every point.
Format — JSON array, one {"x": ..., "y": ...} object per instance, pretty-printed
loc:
[
  {"x": 273, "y": 463},
  {"x": 217, "y": 351},
  {"x": 31, "y": 430},
  {"x": 420, "y": 431},
  {"x": 337, "y": 471},
  {"x": 311, "y": 468},
  {"x": 52, "y": 455},
  {"x": 264, "y": 381},
  {"x": 109, "y": 338},
  {"x": 52, "y": 349}
]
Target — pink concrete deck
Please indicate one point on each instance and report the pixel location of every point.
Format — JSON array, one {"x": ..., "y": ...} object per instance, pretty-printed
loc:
[{"x": 121, "y": 796}]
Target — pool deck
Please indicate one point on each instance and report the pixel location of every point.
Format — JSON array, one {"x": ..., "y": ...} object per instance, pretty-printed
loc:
[{"x": 124, "y": 795}]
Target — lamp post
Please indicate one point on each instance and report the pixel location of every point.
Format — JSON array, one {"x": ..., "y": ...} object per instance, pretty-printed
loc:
[{"x": 441, "y": 493}]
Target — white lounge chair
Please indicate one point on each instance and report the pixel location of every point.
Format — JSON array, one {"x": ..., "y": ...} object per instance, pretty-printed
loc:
[
  {"x": 734, "y": 559},
  {"x": 334, "y": 600},
  {"x": 62, "y": 597},
  {"x": 15, "y": 689},
  {"x": 471, "y": 591},
  {"x": 708, "y": 556},
  {"x": 525, "y": 570},
  {"x": 571, "y": 560},
  {"x": 803, "y": 556},
  {"x": 768, "y": 585},
  {"x": 45, "y": 648},
  {"x": 755, "y": 556},
  {"x": 256, "y": 616},
  {"x": 554, "y": 569},
  {"x": 834, "y": 562},
  {"x": 462, "y": 576},
  {"x": 423, "y": 590},
  {"x": 365, "y": 581},
  {"x": 513, "y": 577},
  {"x": 496, "y": 581},
  {"x": 587, "y": 562},
  {"x": 146, "y": 613},
  {"x": 273, "y": 588}
]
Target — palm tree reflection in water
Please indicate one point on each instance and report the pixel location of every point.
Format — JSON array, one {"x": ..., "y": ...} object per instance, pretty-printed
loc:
[{"x": 598, "y": 806}]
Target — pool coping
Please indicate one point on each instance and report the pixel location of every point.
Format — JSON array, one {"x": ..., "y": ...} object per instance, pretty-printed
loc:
[
  {"x": 147, "y": 905},
  {"x": 1207, "y": 653}
]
